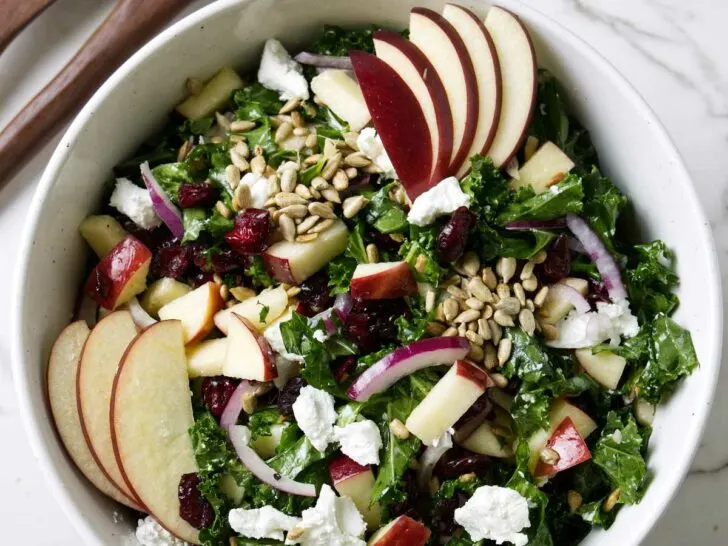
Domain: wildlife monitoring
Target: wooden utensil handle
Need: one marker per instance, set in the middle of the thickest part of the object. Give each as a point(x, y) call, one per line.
point(128, 26)
point(15, 15)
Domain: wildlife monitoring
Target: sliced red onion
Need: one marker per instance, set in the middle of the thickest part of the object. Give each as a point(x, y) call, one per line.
point(140, 317)
point(162, 204)
point(240, 437)
point(342, 305)
point(598, 253)
point(521, 225)
point(324, 61)
point(573, 296)
point(406, 360)
point(234, 406)
point(430, 457)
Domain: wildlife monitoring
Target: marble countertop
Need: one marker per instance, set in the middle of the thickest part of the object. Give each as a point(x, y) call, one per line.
point(672, 51)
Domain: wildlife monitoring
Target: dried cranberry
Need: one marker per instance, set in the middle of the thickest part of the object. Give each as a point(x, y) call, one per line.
point(385, 242)
point(171, 260)
point(461, 461)
point(216, 393)
point(597, 293)
point(454, 235)
point(288, 395)
point(200, 278)
point(201, 194)
point(251, 232)
point(371, 323)
point(193, 508)
point(411, 493)
point(315, 292)
point(481, 406)
point(558, 261)
point(217, 260)
point(304, 309)
point(356, 185)
point(343, 368)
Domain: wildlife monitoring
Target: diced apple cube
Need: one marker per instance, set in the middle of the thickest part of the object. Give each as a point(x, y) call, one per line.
point(605, 367)
point(195, 310)
point(545, 168)
point(161, 292)
point(213, 96)
point(448, 400)
point(293, 262)
point(102, 233)
point(399, 532)
point(356, 482)
point(261, 311)
point(568, 445)
point(485, 441)
point(385, 280)
point(248, 354)
point(341, 93)
point(207, 358)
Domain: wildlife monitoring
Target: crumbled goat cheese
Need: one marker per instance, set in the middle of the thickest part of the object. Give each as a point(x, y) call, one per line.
point(371, 146)
point(134, 202)
point(266, 522)
point(610, 321)
point(258, 189)
point(320, 336)
point(361, 441)
point(334, 521)
point(495, 513)
point(315, 414)
point(281, 73)
point(444, 198)
point(150, 533)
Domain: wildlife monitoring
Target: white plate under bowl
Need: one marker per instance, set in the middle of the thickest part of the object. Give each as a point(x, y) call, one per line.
point(633, 147)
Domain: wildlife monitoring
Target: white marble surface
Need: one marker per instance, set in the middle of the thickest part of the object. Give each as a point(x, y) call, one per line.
point(673, 51)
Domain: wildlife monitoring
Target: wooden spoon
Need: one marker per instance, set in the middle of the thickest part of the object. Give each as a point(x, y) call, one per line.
point(16, 15)
point(129, 25)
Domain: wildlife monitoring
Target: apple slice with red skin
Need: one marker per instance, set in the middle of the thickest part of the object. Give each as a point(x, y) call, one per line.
point(62, 374)
point(445, 49)
point(448, 400)
point(100, 360)
point(274, 299)
point(207, 358)
point(422, 79)
point(402, 531)
point(517, 60)
point(121, 274)
point(150, 416)
point(399, 120)
point(482, 54)
point(385, 280)
point(195, 310)
point(571, 447)
point(248, 355)
point(293, 262)
point(355, 481)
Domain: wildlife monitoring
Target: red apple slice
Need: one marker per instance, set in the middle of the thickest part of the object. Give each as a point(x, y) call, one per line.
point(62, 374)
point(355, 481)
point(195, 310)
point(100, 360)
point(560, 410)
point(261, 310)
point(448, 400)
point(517, 60)
point(482, 53)
point(399, 120)
point(445, 49)
point(293, 263)
point(571, 447)
point(385, 280)
point(207, 358)
point(121, 274)
point(424, 82)
point(248, 354)
point(151, 414)
point(400, 532)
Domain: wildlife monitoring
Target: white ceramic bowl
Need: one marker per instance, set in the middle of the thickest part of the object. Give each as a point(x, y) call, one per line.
point(633, 146)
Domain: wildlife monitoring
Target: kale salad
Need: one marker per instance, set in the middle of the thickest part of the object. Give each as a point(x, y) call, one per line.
point(376, 293)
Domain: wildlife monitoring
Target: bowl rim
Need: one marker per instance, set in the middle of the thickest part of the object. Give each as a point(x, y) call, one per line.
point(24, 389)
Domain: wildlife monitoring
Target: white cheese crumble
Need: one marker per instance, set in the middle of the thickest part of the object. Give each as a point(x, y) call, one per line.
point(315, 414)
point(134, 202)
point(258, 189)
point(371, 146)
point(610, 321)
point(444, 198)
point(360, 441)
point(334, 521)
point(495, 513)
point(266, 522)
point(320, 336)
point(281, 73)
point(150, 533)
